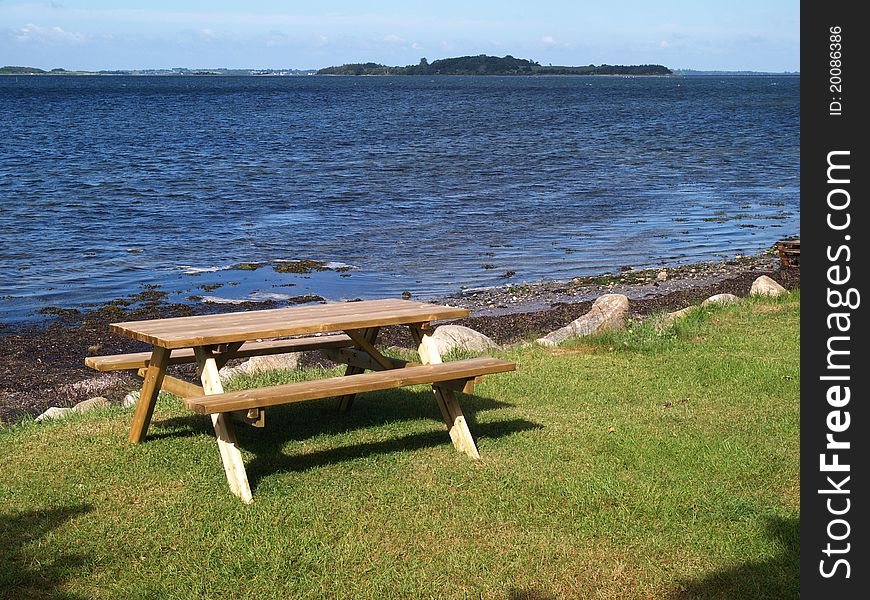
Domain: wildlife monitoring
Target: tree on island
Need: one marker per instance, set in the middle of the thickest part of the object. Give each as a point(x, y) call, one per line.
point(9, 70)
point(490, 65)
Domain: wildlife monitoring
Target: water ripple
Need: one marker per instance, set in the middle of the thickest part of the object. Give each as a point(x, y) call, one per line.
point(424, 184)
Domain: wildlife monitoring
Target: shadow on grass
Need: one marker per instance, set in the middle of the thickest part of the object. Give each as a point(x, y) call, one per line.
point(21, 574)
point(776, 578)
point(304, 420)
point(369, 411)
point(270, 461)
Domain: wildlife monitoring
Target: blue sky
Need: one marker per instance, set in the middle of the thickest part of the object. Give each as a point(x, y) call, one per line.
point(92, 34)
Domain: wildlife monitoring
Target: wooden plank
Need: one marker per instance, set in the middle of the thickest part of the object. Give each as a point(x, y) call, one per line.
point(176, 386)
point(226, 352)
point(370, 335)
point(229, 332)
point(429, 355)
point(254, 417)
point(184, 332)
point(148, 394)
point(458, 422)
point(208, 322)
point(138, 360)
point(234, 467)
point(360, 359)
point(464, 386)
point(235, 318)
point(351, 384)
point(426, 347)
point(451, 412)
point(365, 345)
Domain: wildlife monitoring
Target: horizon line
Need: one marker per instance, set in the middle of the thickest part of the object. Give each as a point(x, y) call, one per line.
point(285, 68)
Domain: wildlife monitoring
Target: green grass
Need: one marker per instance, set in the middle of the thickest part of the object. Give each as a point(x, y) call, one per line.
point(640, 464)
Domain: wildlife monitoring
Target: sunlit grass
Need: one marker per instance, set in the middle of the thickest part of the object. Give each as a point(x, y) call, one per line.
point(640, 464)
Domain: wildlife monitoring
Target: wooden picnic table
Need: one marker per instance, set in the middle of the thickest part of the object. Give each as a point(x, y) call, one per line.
point(212, 340)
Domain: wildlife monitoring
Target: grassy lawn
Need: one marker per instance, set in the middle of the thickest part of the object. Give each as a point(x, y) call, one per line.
point(635, 465)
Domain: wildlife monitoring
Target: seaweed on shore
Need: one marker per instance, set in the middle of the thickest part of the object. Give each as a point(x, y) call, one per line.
point(247, 266)
point(150, 294)
point(303, 266)
point(57, 311)
point(306, 299)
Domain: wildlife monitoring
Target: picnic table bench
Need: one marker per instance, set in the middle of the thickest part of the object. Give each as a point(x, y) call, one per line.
point(211, 341)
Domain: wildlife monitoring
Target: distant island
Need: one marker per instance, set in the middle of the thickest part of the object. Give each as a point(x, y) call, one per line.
point(174, 71)
point(26, 71)
point(491, 65)
point(695, 73)
point(462, 65)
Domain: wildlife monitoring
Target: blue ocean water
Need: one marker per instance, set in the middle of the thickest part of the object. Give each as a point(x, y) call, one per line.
point(424, 184)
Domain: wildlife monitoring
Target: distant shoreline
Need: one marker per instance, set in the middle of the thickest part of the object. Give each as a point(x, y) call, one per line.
point(281, 74)
point(278, 74)
point(284, 73)
point(461, 65)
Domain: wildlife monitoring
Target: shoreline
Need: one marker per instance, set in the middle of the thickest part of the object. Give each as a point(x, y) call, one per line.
point(636, 284)
point(43, 362)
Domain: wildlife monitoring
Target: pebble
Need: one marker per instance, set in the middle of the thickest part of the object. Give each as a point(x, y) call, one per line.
point(130, 399)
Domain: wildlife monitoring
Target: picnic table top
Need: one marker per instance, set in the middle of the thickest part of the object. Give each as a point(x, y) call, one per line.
point(187, 332)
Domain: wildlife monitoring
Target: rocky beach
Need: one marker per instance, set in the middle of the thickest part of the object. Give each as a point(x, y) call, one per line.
point(43, 363)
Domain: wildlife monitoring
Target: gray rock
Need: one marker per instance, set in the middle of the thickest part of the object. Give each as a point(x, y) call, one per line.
point(457, 337)
point(765, 286)
point(288, 360)
point(91, 404)
point(720, 299)
point(607, 312)
point(677, 314)
point(130, 399)
point(55, 412)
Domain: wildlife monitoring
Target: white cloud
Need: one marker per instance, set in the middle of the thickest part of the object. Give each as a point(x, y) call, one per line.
point(393, 39)
point(53, 35)
point(664, 44)
point(550, 42)
point(417, 46)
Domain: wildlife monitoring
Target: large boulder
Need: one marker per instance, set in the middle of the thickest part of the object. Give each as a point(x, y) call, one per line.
point(274, 362)
point(457, 337)
point(607, 312)
point(91, 404)
point(765, 286)
point(55, 412)
point(720, 299)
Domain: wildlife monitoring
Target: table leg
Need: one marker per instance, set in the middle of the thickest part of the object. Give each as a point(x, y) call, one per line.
point(148, 395)
point(231, 457)
point(345, 402)
point(444, 397)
